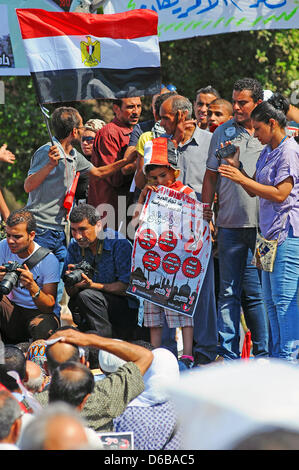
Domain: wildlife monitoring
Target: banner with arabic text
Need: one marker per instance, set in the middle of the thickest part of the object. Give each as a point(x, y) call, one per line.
point(171, 251)
point(180, 19)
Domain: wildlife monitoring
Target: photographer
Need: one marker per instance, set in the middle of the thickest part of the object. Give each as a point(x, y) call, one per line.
point(98, 299)
point(27, 295)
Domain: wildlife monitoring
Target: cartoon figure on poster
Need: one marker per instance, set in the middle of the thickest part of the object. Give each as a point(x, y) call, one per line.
point(171, 250)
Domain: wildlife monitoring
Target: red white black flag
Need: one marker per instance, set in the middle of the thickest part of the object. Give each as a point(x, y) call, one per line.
point(81, 56)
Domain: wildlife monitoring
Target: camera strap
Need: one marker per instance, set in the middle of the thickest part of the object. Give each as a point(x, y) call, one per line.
point(36, 257)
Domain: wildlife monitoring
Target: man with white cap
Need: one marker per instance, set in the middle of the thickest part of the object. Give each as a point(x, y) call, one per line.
point(112, 394)
point(151, 416)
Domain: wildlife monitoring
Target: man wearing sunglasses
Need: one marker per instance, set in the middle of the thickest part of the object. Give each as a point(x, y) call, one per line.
point(91, 127)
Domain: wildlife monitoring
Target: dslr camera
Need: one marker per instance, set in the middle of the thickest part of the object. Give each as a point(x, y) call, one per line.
point(225, 152)
point(11, 277)
point(75, 275)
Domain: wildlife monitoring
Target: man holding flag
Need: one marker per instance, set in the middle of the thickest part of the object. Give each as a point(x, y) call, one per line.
point(75, 57)
point(51, 175)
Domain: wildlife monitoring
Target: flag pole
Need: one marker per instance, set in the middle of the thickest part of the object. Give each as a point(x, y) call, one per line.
point(46, 116)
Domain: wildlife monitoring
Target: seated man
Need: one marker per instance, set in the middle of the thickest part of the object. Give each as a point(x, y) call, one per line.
point(111, 395)
point(98, 299)
point(26, 309)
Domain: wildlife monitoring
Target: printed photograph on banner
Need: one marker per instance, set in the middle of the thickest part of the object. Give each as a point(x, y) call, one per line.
point(65, 5)
point(6, 52)
point(18, 64)
point(171, 251)
point(117, 440)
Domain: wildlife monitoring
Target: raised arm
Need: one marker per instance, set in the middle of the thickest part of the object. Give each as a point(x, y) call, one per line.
point(142, 357)
point(108, 170)
point(277, 193)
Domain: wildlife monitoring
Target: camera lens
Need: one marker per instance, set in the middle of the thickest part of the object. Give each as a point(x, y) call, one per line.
point(8, 282)
point(73, 277)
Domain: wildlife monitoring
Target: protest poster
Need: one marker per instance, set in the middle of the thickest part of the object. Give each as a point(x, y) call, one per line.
point(180, 19)
point(171, 251)
point(117, 440)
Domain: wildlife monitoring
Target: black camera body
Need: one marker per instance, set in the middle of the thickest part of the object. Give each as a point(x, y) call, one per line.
point(225, 152)
point(11, 277)
point(75, 275)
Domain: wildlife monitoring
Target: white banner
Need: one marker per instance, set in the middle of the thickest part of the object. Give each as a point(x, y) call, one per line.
point(188, 18)
point(171, 251)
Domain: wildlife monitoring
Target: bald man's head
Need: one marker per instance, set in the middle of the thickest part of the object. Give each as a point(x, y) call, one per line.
point(57, 427)
point(59, 353)
point(64, 433)
point(34, 380)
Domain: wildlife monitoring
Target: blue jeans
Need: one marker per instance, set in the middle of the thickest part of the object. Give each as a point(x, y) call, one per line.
point(205, 319)
point(55, 240)
point(236, 248)
point(281, 296)
point(205, 334)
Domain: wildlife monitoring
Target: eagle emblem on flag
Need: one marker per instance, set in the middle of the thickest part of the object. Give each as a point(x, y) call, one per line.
point(90, 52)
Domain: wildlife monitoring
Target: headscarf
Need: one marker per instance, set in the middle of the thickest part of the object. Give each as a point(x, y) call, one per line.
point(37, 353)
point(162, 370)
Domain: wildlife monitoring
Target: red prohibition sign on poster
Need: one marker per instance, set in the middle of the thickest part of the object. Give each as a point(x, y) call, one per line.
point(147, 239)
point(191, 267)
point(151, 260)
point(171, 263)
point(167, 241)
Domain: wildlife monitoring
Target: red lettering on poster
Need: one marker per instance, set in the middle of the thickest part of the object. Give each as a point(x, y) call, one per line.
point(167, 241)
point(147, 239)
point(171, 263)
point(151, 260)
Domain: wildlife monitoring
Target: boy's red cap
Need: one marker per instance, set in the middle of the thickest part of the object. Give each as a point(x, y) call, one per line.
point(160, 151)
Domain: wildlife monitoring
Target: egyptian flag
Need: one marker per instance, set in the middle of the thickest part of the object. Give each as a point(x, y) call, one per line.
point(82, 56)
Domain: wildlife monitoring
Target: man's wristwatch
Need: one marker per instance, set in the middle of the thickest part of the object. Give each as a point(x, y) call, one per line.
point(36, 294)
point(240, 165)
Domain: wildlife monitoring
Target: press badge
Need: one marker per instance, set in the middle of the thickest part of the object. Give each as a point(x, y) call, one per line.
point(230, 131)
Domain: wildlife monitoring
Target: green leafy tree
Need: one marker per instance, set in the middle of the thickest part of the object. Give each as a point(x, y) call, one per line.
point(271, 56)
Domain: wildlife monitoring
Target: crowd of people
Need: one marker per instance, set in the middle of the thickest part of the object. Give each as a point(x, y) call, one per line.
point(61, 385)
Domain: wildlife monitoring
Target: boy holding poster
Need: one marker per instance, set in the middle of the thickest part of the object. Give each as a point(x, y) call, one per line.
point(161, 168)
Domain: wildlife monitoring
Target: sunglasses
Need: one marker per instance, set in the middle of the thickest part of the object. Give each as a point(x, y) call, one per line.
point(87, 139)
